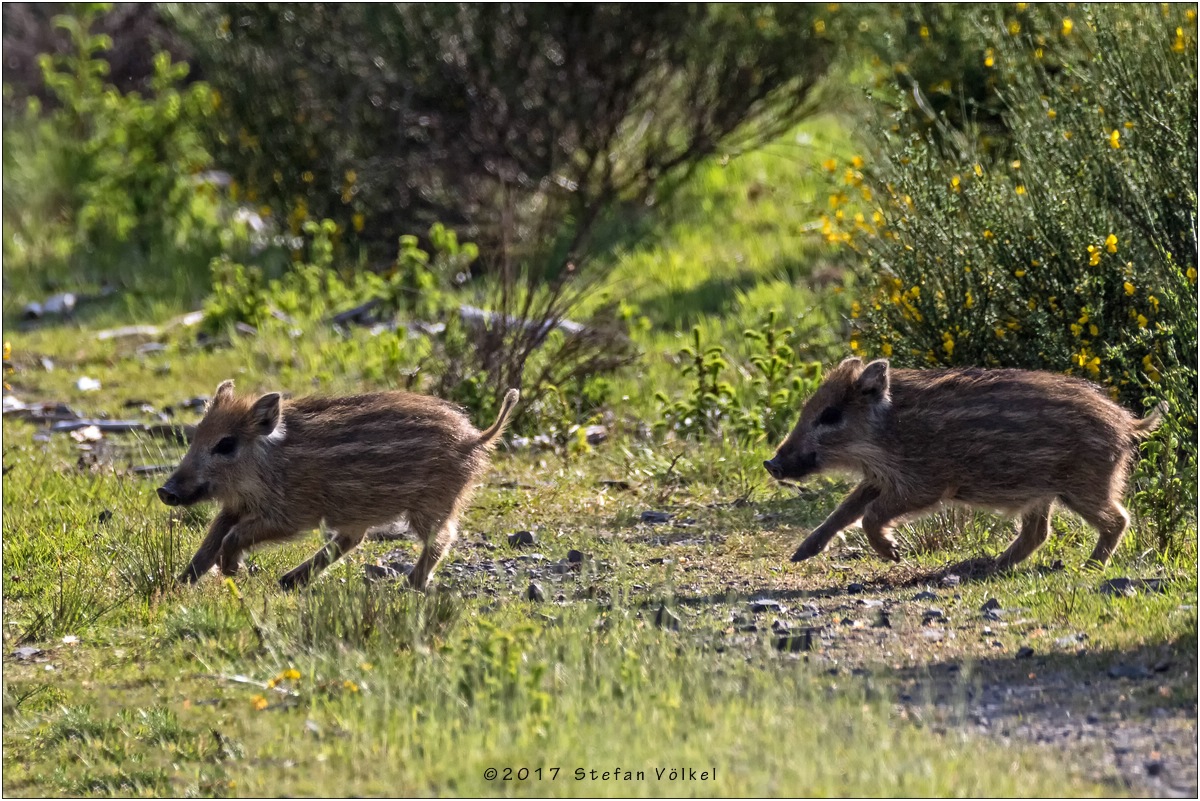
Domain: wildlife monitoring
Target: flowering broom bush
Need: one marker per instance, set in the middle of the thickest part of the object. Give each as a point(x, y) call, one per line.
point(1075, 251)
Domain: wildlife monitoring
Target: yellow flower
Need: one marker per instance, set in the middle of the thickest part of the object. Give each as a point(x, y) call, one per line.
point(1019, 273)
point(989, 59)
point(1128, 125)
point(854, 346)
point(1153, 302)
point(857, 162)
point(955, 182)
point(1111, 243)
point(278, 176)
point(367, 666)
point(307, 176)
point(1051, 113)
point(829, 164)
point(1093, 255)
point(351, 176)
point(1191, 274)
point(259, 703)
point(1014, 28)
point(988, 234)
point(1067, 26)
point(1093, 330)
point(1067, 134)
point(978, 170)
point(970, 300)
point(1020, 189)
point(1142, 321)
point(1114, 139)
point(1015, 164)
point(819, 26)
point(1178, 46)
point(291, 674)
point(1129, 288)
point(855, 309)
point(948, 343)
point(924, 31)
point(886, 349)
point(358, 220)
point(1035, 263)
point(349, 685)
point(7, 351)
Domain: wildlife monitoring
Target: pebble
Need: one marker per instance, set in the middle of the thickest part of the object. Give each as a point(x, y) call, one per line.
point(1128, 672)
point(535, 592)
point(521, 538)
point(575, 557)
point(855, 588)
point(925, 596)
point(1024, 652)
point(933, 614)
point(990, 605)
point(655, 518)
point(766, 605)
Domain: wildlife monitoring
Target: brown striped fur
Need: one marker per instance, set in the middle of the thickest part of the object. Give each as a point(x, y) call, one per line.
point(352, 462)
point(1015, 441)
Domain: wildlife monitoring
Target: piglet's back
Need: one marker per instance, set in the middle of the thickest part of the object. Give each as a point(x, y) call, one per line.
point(375, 453)
point(1013, 429)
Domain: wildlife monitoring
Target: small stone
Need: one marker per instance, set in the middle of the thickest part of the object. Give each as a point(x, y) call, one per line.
point(1070, 640)
point(951, 580)
point(535, 592)
point(766, 605)
point(1162, 666)
point(1128, 672)
point(575, 557)
point(521, 538)
point(666, 619)
point(1024, 652)
point(855, 588)
point(933, 614)
point(1154, 767)
point(779, 627)
point(869, 603)
point(27, 652)
point(925, 596)
point(86, 384)
point(656, 518)
point(990, 605)
point(933, 635)
point(1092, 718)
point(795, 642)
point(104, 516)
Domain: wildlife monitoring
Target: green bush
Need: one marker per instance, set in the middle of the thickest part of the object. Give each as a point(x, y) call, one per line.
point(764, 408)
point(107, 182)
point(1076, 252)
point(387, 118)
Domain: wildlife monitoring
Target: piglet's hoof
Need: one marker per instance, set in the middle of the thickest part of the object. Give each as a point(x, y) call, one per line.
point(808, 549)
point(886, 548)
point(294, 579)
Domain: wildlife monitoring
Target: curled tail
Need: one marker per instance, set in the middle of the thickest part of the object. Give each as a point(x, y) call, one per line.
point(497, 428)
point(1146, 425)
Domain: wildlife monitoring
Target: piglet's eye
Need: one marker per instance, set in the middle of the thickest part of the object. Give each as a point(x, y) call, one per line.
point(830, 417)
point(225, 446)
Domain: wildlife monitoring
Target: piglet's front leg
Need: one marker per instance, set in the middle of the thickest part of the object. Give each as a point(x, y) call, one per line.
point(850, 510)
point(206, 555)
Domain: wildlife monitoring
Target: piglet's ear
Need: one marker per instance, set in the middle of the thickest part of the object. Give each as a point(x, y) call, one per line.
point(852, 363)
point(266, 415)
point(875, 380)
point(224, 394)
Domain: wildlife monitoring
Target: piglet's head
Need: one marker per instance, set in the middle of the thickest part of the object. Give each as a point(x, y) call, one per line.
point(838, 419)
point(226, 448)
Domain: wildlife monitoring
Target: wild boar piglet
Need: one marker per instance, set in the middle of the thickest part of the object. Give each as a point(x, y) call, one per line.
point(281, 467)
point(1014, 441)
